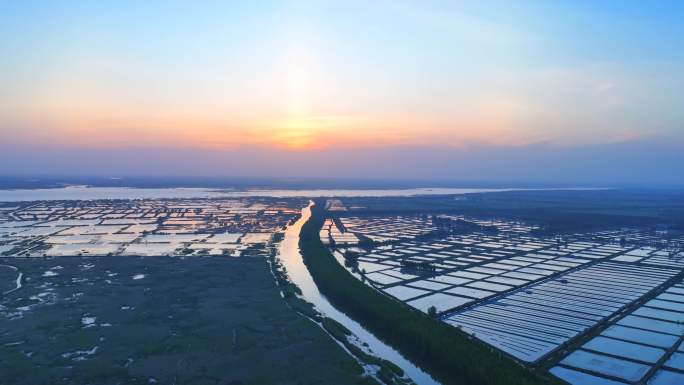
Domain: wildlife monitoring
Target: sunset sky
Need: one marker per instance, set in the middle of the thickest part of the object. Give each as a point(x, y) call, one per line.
point(414, 89)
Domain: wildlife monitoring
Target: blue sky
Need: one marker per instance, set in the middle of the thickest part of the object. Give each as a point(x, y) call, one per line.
point(316, 79)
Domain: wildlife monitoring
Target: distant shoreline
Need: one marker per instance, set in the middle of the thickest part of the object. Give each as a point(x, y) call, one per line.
point(245, 183)
point(123, 193)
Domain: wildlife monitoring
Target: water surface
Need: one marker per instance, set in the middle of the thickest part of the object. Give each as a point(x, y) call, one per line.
point(291, 258)
point(97, 193)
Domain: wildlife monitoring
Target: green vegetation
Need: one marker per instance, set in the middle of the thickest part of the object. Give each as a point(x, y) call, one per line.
point(389, 373)
point(192, 321)
point(388, 370)
point(449, 354)
point(339, 331)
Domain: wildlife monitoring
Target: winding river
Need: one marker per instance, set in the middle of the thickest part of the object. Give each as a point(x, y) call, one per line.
point(291, 258)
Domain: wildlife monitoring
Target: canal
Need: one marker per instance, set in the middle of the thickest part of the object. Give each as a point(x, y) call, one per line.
point(291, 258)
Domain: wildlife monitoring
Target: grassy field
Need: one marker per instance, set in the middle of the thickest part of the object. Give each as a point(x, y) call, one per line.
point(450, 355)
point(159, 320)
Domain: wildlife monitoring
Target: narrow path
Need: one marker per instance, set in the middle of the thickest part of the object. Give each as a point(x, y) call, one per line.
point(18, 280)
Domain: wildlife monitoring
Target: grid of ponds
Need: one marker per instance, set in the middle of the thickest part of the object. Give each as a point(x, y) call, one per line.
point(181, 227)
point(466, 269)
point(652, 256)
point(531, 323)
point(383, 229)
point(643, 346)
point(531, 297)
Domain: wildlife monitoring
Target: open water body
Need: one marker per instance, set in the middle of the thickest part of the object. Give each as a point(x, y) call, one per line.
point(97, 193)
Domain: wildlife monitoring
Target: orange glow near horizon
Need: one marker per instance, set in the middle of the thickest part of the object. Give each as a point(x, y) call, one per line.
point(311, 76)
point(292, 133)
point(290, 124)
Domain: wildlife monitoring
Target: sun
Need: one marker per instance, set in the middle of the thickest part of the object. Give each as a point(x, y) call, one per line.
point(296, 134)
